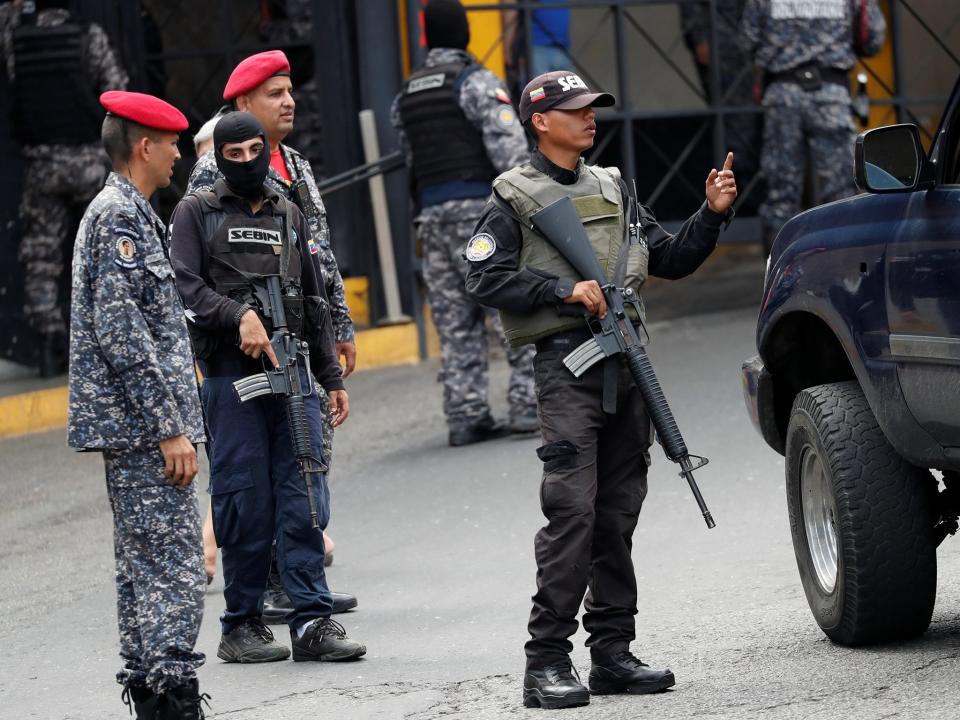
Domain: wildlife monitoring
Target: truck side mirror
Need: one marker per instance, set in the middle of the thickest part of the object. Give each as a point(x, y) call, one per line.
point(891, 159)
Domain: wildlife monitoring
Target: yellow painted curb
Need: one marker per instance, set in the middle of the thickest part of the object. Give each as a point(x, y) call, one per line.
point(42, 410)
point(33, 411)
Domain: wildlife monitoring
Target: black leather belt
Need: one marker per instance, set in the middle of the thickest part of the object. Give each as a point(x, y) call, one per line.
point(809, 76)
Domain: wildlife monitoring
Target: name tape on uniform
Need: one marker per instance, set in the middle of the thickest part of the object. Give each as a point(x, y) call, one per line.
point(254, 235)
point(428, 82)
point(808, 9)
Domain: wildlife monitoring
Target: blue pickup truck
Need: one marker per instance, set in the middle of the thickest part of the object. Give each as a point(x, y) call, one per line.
point(857, 383)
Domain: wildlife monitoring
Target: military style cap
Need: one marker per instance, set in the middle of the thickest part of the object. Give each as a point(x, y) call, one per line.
point(559, 90)
point(147, 110)
point(254, 70)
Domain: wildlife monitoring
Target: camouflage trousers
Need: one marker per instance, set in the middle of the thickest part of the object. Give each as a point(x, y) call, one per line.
point(158, 549)
point(443, 231)
point(57, 182)
point(801, 126)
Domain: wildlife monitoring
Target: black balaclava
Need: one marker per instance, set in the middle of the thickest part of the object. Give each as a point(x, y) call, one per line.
point(445, 24)
point(244, 178)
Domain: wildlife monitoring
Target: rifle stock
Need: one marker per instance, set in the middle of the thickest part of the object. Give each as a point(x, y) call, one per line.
point(615, 334)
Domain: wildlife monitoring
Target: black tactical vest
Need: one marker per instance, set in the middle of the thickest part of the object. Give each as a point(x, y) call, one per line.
point(445, 146)
point(55, 100)
point(243, 249)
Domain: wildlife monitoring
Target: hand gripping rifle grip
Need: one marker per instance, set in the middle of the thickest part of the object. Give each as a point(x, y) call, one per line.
point(673, 445)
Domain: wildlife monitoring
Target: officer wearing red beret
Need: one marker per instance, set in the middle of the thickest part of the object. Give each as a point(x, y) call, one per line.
point(133, 397)
point(261, 85)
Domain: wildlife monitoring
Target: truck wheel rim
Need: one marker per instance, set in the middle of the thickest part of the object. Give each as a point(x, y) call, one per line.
point(819, 518)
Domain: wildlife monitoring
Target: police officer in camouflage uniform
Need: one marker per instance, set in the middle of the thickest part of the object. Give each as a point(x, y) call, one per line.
point(133, 397)
point(595, 428)
point(458, 130)
point(802, 51)
point(57, 67)
point(261, 85)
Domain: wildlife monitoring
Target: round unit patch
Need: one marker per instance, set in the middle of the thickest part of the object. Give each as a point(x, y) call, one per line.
point(480, 247)
point(506, 117)
point(125, 253)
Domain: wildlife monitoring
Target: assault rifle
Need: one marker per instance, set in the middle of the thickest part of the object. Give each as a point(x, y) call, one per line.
point(615, 334)
point(284, 381)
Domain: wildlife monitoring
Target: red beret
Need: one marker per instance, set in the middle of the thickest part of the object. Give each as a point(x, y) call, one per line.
point(254, 71)
point(147, 110)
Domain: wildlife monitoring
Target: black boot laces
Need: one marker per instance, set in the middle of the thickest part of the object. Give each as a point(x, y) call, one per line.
point(260, 630)
point(327, 626)
point(628, 658)
point(563, 671)
point(194, 704)
point(126, 699)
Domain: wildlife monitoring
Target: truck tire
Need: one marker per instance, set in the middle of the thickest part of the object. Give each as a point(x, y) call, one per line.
point(861, 518)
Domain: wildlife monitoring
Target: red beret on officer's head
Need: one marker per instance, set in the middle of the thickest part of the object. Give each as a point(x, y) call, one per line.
point(253, 71)
point(147, 110)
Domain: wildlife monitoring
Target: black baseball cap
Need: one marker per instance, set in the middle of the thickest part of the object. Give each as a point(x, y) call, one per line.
point(559, 90)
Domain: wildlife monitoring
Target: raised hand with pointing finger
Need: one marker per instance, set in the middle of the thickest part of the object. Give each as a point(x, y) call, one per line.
point(722, 187)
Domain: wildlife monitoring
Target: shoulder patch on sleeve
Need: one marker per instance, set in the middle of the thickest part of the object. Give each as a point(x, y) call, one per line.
point(506, 117)
point(126, 253)
point(480, 247)
point(499, 94)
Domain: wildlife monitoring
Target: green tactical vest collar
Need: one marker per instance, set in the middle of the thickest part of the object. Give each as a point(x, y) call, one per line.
point(597, 199)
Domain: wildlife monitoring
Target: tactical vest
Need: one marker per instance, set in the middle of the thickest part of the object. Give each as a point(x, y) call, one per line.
point(55, 100)
point(445, 145)
point(242, 249)
point(597, 199)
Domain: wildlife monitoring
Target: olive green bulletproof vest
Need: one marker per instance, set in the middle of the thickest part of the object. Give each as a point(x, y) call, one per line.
point(596, 197)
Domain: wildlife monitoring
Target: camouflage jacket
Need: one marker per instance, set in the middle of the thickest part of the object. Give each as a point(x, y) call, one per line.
point(205, 174)
point(486, 104)
point(132, 381)
point(780, 35)
point(104, 67)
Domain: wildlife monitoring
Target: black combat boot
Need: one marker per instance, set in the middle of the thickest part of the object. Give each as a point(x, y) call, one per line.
point(276, 604)
point(183, 702)
point(251, 642)
point(485, 429)
point(140, 700)
point(553, 687)
point(623, 673)
point(325, 640)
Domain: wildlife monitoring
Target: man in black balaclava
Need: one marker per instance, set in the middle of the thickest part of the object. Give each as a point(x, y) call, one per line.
point(459, 131)
point(222, 242)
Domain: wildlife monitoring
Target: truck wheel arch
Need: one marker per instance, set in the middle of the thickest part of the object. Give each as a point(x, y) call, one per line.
point(801, 351)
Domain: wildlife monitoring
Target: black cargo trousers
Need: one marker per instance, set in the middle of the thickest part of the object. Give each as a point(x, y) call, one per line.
point(594, 484)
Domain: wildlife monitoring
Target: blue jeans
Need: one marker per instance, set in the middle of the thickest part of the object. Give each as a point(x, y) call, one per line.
point(257, 489)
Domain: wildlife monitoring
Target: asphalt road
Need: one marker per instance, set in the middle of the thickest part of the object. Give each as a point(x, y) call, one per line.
point(437, 544)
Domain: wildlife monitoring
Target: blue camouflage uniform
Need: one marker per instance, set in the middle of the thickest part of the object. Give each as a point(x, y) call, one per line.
point(443, 230)
point(132, 384)
point(57, 178)
point(205, 174)
point(785, 39)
